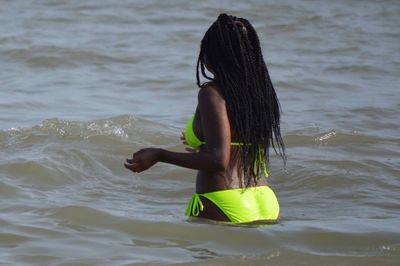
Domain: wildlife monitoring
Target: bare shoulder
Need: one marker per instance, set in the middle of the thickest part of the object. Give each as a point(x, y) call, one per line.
point(210, 92)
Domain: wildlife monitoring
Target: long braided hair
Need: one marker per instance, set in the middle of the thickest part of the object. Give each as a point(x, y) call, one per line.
point(231, 49)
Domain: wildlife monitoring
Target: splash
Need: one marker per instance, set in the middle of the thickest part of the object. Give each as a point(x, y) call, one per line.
point(326, 136)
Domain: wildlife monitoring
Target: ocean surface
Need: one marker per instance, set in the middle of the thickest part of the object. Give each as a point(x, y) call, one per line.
point(84, 84)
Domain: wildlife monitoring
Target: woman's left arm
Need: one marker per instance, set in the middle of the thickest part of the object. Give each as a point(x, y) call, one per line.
point(216, 130)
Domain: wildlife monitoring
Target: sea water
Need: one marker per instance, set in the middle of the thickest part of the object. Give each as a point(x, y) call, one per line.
point(84, 84)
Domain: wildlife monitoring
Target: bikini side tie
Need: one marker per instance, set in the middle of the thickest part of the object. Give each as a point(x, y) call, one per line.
point(195, 206)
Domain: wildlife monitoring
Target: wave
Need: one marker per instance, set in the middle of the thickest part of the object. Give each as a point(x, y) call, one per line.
point(121, 128)
point(334, 137)
point(131, 129)
point(58, 153)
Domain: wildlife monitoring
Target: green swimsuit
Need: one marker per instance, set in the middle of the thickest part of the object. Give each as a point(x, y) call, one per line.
point(242, 205)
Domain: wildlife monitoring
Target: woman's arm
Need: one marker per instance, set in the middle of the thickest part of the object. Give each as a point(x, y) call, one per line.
point(215, 154)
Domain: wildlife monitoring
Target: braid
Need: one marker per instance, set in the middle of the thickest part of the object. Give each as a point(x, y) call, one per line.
point(232, 49)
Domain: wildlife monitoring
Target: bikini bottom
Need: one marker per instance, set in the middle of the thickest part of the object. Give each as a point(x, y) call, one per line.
point(242, 205)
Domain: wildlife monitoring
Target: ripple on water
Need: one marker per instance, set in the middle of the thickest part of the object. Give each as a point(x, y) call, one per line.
point(9, 240)
point(60, 57)
point(71, 69)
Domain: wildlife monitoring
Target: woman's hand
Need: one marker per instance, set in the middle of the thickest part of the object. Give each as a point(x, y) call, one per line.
point(143, 160)
point(184, 142)
point(183, 138)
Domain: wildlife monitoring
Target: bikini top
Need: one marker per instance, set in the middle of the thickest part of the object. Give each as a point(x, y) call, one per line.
point(194, 142)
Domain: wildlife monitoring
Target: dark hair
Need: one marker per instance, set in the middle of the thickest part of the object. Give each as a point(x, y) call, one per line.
point(233, 52)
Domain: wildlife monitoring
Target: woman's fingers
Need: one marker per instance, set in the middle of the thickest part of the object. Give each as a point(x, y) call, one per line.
point(190, 150)
point(142, 160)
point(131, 162)
point(134, 159)
point(183, 138)
point(133, 167)
point(129, 166)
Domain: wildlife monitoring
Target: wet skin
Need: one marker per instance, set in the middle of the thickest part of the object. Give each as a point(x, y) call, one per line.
point(216, 160)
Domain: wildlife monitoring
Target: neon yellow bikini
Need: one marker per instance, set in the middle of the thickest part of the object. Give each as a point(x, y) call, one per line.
point(242, 205)
point(194, 142)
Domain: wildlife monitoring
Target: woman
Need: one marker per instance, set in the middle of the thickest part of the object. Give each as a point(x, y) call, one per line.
point(235, 123)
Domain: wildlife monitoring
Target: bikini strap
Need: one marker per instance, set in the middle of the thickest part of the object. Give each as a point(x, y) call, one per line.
point(195, 206)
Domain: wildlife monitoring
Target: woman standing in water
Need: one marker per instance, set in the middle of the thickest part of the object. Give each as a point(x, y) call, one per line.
point(236, 121)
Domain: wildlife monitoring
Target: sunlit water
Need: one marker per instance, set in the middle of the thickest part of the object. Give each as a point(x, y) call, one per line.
point(86, 83)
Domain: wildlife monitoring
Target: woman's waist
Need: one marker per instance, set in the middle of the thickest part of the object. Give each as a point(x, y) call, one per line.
point(209, 182)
